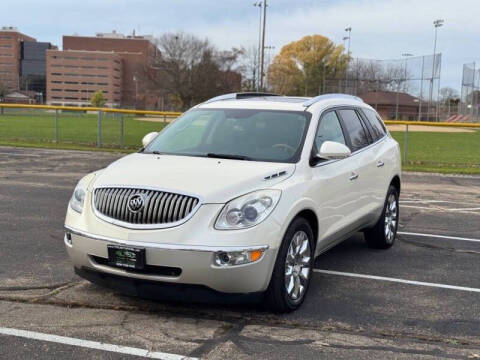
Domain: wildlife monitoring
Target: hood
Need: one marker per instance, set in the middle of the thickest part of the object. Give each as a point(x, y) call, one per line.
point(215, 180)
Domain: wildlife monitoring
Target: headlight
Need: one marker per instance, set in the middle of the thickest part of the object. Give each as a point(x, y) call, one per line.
point(78, 197)
point(247, 210)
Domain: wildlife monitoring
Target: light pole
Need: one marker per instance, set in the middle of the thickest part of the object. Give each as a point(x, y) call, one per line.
point(345, 38)
point(270, 48)
point(257, 65)
point(263, 43)
point(437, 23)
point(349, 31)
point(136, 89)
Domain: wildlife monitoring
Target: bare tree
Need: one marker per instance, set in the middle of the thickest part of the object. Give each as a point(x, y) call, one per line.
point(448, 94)
point(248, 67)
point(191, 70)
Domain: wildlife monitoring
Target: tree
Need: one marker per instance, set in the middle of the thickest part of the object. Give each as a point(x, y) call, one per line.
point(448, 94)
point(97, 99)
point(191, 70)
point(248, 67)
point(302, 66)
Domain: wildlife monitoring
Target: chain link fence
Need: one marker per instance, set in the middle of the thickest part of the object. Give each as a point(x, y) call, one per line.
point(470, 94)
point(402, 89)
point(108, 128)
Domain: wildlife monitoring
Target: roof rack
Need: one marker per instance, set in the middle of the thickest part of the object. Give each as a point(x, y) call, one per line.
point(236, 96)
point(330, 96)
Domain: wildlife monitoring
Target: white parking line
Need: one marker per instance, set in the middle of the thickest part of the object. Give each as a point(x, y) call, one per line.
point(438, 236)
point(91, 344)
point(402, 281)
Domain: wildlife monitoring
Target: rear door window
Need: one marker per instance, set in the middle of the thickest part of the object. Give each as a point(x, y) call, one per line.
point(355, 130)
point(377, 128)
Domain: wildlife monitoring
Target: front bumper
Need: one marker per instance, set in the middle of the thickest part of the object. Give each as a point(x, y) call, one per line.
point(174, 263)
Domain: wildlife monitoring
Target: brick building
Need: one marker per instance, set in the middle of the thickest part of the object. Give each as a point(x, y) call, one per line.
point(122, 78)
point(11, 41)
point(385, 102)
point(74, 75)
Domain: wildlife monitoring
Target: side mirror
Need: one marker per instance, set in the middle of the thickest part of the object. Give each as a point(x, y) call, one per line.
point(331, 150)
point(148, 138)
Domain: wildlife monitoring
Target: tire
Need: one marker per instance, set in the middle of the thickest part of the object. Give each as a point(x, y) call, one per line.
point(382, 235)
point(286, 292)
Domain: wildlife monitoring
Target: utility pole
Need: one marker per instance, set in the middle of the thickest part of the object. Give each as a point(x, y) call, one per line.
point(437, 23)
point(349, 30)
point(257, 65)
point(263, 44)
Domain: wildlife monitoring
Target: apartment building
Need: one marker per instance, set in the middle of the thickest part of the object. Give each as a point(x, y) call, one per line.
point(74, 75)
point(122, 75)
point(11, 41)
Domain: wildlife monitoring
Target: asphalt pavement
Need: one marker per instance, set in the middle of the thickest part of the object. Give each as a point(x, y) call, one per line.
point(419, 299)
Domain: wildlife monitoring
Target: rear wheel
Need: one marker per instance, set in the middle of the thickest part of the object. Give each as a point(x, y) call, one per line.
point(293, 268)
point(382, 235)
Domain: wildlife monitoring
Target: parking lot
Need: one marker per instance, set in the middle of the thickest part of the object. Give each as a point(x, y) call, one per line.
point(419, 299)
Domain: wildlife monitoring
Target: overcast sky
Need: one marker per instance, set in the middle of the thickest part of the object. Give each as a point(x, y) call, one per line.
point(381, 29)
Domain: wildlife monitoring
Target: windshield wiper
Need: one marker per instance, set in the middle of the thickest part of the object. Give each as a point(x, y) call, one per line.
point(228, 156)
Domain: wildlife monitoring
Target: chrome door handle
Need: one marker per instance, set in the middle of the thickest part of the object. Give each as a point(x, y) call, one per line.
point(353, 176)
point(380, 163)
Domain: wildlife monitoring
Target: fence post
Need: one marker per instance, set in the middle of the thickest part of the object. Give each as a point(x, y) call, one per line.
point(405, 145)
point(99, 129)
point(122, 133)
point(56, 126)
point(164, 120)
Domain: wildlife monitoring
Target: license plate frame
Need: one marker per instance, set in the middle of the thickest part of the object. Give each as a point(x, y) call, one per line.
point(126, 257)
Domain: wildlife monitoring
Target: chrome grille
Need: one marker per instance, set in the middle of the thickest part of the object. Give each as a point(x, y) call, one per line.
point(160, 208)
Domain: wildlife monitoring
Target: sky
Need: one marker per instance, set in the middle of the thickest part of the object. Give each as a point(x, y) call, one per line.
point(381, 29)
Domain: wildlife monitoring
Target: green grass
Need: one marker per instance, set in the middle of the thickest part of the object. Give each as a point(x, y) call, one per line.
point(73, 129)
point(427, 151)
point(441, 152)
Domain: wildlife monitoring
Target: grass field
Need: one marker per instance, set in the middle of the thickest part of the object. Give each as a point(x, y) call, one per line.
point(427, 151)
point(73, 129)
point(442, 152)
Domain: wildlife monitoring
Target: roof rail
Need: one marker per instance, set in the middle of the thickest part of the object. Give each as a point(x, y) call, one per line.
point(330, 96)
point(234, 96)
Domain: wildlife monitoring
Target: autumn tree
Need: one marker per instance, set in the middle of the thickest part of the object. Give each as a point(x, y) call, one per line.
point(301, 66)
point(98, 99)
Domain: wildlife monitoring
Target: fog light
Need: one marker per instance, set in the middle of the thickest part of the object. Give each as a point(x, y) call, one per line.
point(232, 258)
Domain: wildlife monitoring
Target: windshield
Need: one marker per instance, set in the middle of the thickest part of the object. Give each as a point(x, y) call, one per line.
point(244, 134)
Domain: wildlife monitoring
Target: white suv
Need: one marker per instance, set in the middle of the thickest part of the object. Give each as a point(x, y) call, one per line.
point(238, 195)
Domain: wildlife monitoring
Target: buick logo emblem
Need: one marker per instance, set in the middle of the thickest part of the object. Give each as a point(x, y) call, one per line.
point(136, 202)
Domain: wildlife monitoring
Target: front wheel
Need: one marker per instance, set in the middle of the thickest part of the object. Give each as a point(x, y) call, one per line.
point(382, 235)
point(293, 268)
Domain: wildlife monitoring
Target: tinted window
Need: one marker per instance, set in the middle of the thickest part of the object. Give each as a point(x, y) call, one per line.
point(261, 135)
point(378, 129)
point(329, 130)
point(355, 130)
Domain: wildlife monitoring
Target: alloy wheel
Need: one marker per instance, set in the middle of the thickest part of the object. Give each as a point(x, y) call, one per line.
point(297, 266)
point(391, 216)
